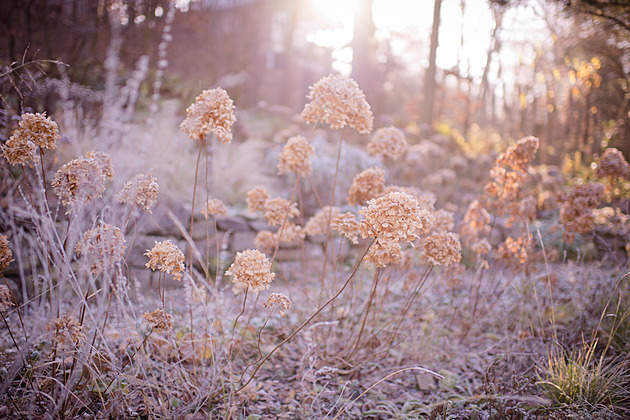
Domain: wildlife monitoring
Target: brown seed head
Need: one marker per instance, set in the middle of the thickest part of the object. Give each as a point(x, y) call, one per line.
point(159, 321)
point(251, 270)
point(256, 198)
point(393, 217)
point(276, 209)
point(67, 332)
point(6, 298)
point(612, 164)
point(265, 241)
point(214, 207)
point(42, 131)
point(19, 150)
point(346, 224)
point(212, 112)
point(280, 301)
point(318, 224)
point(6, 255)
point(338, 102)
point(82, 179)
point(384, 253)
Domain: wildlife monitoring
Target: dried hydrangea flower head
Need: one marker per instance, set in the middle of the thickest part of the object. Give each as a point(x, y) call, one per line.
point(384, 253)
point(102, 247)
point(265, 241)
point(612, 164)
point(212, 112)
point(366, 185)
point(338, 101)
point(443, 248)
point(481, 247)
point(19, 150)
point(346, 224)
point(214, 207)
point(296, 156)
point(388, 142)
point(36, 128)
point(6, 300)
point(67, 331)
point(513, 252)
point(83, 178)
point(142, 191)
point(280, 301)
point(159, 321)
point(476, 222)
point(523, 210)
point(276, 209)
point(519, 156)
point(426, 199)
point(442, 221)
point(166, 257)
point(290, 233)
point(393, 217)
point(318, 224)
point(576, 213)
point(6, 255)
point(256, 198)
point(251, 270)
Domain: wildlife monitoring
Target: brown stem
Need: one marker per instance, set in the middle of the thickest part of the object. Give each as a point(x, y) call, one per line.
point(192, 211)
point(377, 276)
point(293, 334)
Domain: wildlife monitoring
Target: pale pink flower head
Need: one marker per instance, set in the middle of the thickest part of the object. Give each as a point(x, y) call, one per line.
point(212, 112)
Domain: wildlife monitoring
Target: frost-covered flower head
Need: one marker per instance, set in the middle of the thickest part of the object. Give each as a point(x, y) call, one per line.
point(318, 224)
point(142, 191)
point(443, 248)
point(159, 321)
point(296, 156)
point(366, 185)
point(67, 331)
point(212, 112)
point(256, 198)
point(6, 300)
point(214, 207)
point(83, 178)
point(251, 270)
point(387, 142)
point(393, 217)
point(520, 155)
point(612, 164)
point(5, 253)
point(280, 301)
point(384, 253)
point(166, 257)
point(277, 208)
point(338, 101)
point(102, 246)
point(346, 224)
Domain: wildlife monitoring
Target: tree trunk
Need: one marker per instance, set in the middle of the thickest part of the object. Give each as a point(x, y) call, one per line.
point(429, 83)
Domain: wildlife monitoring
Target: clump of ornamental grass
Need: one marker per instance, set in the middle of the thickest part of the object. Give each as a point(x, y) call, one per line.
point(581, 378)
point(296, 156)
point(141, 192)
point(387, 143)
point(250, 271)
point(102, 247)
point(82, 179)
point(338, 101)
point(212, 112)
point(366, 185)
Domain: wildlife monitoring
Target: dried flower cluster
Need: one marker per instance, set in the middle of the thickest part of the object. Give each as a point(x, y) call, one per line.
point(612, 164)
point(214, 207)
point(34, 130)
point(142, 191)
point(508, 175)
point(442, 221)
point(265, 240)
point(513, 251)
point(346, 224)
point(6, 255)
point(6, 300)
point(523, 210)
point(251, 270)
point(426, 199)
point(102, 247)
point(256, 198)
point(67, 332)
point(280, 301)
point(338, 101)
point(476, 223)
point(384, 253)
point(291, 232)
point(159, 321)
point(296, 156)
point(443, 248)
point(276, 209)
point(212, 112)
point(367, 185)
point(83, 178)
point(318, 224)
point(388, 142)
point(576, 214)
point(393, 217)
point(166, 257)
